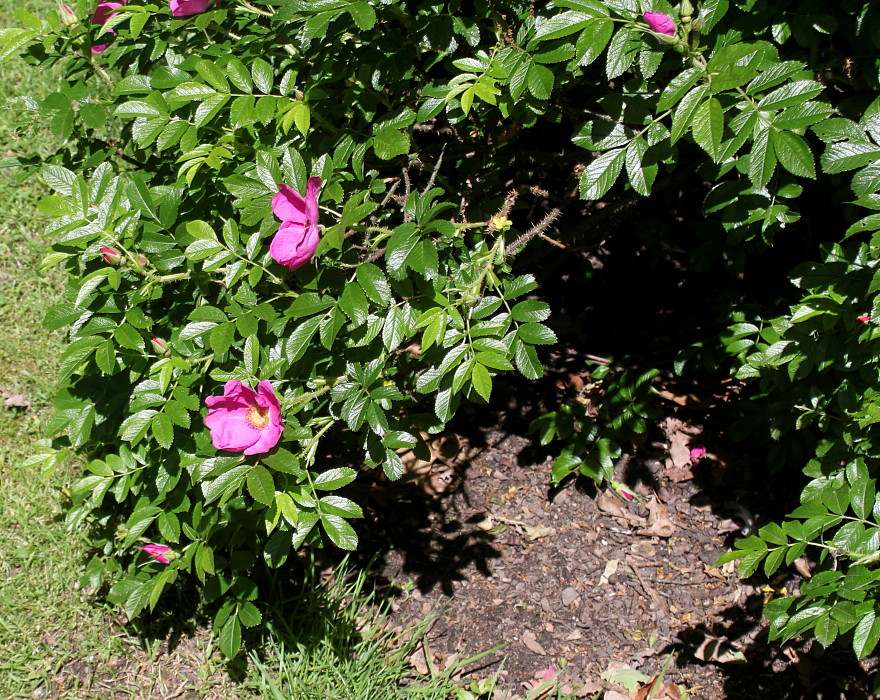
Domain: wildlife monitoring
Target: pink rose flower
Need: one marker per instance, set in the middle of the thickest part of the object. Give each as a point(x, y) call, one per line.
point(244, 420)
point(297, 237)
point(67, 16)
point(186, 8)
point(660, 23)
point(103, 12)
point(157, 551)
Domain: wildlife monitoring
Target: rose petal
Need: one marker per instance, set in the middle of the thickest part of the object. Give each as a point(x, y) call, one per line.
point(289, 205)
point(660, 23)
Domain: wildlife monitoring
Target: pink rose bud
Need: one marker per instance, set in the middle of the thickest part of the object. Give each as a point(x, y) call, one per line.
point(65, 14)
point(697, 453)
point(142, 259)
point(660, 23)
point(157, 551)
point(863, 319)
point(111, 255)
point(160, 346)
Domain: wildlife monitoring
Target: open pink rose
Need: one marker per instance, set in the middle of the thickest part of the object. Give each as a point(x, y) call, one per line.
point(244, 420)
point(186, 8)
point(297, 237)
point(660, 23)
point(157, 551)
point(103, 12)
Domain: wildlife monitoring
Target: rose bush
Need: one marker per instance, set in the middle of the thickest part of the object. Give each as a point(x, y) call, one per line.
point(373, 305)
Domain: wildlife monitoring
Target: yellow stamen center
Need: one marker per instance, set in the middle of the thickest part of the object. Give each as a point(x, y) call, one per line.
point(258, 417)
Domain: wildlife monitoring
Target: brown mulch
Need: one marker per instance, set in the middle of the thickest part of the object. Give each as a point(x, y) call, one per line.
point(590, 586)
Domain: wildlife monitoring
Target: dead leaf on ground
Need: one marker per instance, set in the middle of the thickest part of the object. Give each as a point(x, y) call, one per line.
point(658, 691)
point(803, 567)
point(531, 642)
point(610, 570)
point(717, 649)
point(534, 533)
point(608, 504)
point(17, 401)
point(679, 449)
point(659, 522)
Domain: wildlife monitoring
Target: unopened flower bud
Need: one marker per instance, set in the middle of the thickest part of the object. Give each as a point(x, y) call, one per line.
point(685, 9)
point(863, 319)
point(111, 255)
point(501, 223)
point(66, 15)
point(160, 346)
point(142, 259)
point(659, 23)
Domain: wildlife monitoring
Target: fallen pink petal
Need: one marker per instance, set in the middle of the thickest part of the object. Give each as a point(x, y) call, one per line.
point(697, 453)
point(103, 12)
point(244, 420)
point(157, 551)
point(660, 23)
point(298, 236)
point(187, 8)
point(549, 673)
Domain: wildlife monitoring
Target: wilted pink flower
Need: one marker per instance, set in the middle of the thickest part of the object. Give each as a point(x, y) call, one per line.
point(157, 551)
point(244, 420)
point(103, 12)
point(697, 453)
point(863, 319)
point(297, 237)
point(660, 23)
point(186, 8)
point(111, 255)
point(548, 674)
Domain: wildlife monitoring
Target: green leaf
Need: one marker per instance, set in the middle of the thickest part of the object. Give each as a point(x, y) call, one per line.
point(248, 614)
point(848, 155)
point(136, 108)
point(762, 160)
point(790, 94)
point(482, 381)
point(677, 87)
point(683, 115)
point(339, 531)
point(354, 304)
point(373, 282)
point(562, 25)
point(261, 486)
point(711, 13)
point(592, 43)
point(540, 81)
point(389, 143)
point(708, 125)
point(333, 479)
point(794, 154)
point(526, 360)
point(600, 175)
point(536, 334)
point(622, 51)
point(221, 337)
point(363, 14)
point(263, 75)
point(296, 345)
point(866, 635)
point(135, 427)
point(163, 429)
point(230, 637)
point(238, 74)
point(400, 245)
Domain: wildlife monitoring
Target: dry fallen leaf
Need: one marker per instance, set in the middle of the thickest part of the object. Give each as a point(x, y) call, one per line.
point(657, 690)
point(679, 449)
point(717, 649)
point(610, 570)
point(608, 504)
point(531, 642)
point(803, 567)
point(659, 522)
point(534, 533)
point(17, 401)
